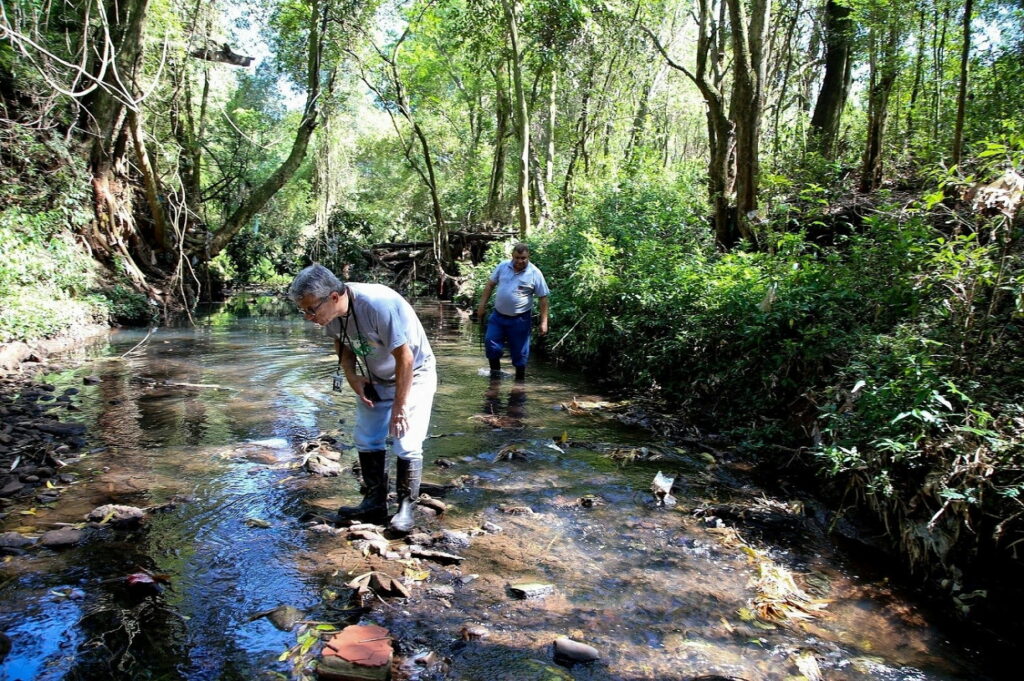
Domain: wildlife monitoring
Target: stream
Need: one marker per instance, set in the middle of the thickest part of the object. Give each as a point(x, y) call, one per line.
point(208, 423)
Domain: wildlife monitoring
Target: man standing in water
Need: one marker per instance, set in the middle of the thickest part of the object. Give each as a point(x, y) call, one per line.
point(376, 331)
point(517, 281)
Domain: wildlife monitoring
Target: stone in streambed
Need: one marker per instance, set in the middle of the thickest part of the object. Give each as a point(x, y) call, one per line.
point(531, 590)
point(11, 488)
point(116, 515)
point(13, 540)
point(322, 466)
point(62, 538)
point(284, 617)
point(570, 652)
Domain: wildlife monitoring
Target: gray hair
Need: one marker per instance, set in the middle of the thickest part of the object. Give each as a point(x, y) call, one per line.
point(315, 280)
point(521, 247)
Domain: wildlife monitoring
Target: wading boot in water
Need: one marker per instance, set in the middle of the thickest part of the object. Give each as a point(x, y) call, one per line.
point(495, 368)
point(374, 507)
point(520, 374)
point(409, 475)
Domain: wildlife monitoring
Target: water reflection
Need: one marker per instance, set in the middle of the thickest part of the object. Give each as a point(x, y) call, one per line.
point(501, 411)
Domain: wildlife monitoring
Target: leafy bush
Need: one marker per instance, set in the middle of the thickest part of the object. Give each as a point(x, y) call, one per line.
point(44, 276)
point(127, 306)
point(742, 334)
point(924, 422)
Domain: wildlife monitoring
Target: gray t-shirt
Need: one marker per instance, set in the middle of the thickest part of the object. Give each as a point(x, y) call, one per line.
point(514, 291)
point(385, 320)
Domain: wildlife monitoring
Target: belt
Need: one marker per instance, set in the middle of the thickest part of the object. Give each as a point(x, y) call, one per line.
point(511, 316)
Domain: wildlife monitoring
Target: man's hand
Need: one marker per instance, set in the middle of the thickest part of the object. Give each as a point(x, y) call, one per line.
point(359, 384)
point(543, 327)
point(399, 424)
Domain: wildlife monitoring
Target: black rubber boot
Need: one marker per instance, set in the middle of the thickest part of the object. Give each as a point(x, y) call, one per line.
point(409, 475)
point(495, 368)
point(520, 373)
point(374, 507)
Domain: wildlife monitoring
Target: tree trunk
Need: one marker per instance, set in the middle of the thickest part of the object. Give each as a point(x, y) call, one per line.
point(579, 146)
point(115, 229)
point(522, 123)
point(915, 89)
point(883, 76)
point(938, 66)
point(721, 132)
point(259, 198)
point(748, 39)
point(150, 180)
point(961, 102)
point(787, 71)
point(543, 176)
point(834, 87)
point(495, 192)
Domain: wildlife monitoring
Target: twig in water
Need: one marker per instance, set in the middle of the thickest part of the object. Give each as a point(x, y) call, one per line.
point(139, 343)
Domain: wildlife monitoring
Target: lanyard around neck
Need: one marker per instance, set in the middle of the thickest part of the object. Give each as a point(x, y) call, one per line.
point(364, 368)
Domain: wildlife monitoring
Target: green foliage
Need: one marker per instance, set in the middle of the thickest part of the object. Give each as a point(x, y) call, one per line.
point(126, 306)
point(34, 248)
point(44, 276)
point(924, 419)
point(649, 299)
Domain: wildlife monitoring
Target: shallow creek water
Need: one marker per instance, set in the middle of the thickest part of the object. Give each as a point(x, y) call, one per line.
point(216, 415)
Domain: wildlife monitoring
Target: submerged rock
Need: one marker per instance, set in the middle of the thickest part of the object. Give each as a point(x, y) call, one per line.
point(474, 632)
point(284, 617)
point(116, 515)
point(568, 651)
point(531, 590)
point(323, 466)
point(11, 488)
point(62, 538)
point(13, 540)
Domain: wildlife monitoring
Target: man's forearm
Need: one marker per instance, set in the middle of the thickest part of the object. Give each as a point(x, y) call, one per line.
point(485, 296)
point(348, 363)
point(403, 376)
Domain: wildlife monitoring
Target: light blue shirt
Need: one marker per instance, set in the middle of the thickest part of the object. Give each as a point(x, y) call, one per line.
point(385, 321)
point(514, 291)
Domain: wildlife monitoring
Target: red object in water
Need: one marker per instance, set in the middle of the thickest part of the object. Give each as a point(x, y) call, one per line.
point(141, 579)
point(357, 652)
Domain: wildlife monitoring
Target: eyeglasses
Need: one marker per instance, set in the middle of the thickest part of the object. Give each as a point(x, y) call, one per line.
point(311, 311)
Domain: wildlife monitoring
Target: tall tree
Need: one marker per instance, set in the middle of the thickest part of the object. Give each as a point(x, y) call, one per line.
point(884, 38)
point(116, 232)
point(835, 85)
point(749, 23)
point(522, 119)
point(319, 79)
point(961, 99)
point(709, 76)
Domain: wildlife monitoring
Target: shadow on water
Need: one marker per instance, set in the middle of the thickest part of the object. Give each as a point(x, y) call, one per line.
point(208, 422)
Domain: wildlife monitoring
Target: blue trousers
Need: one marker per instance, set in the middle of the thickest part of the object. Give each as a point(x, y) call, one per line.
point(512, 330)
